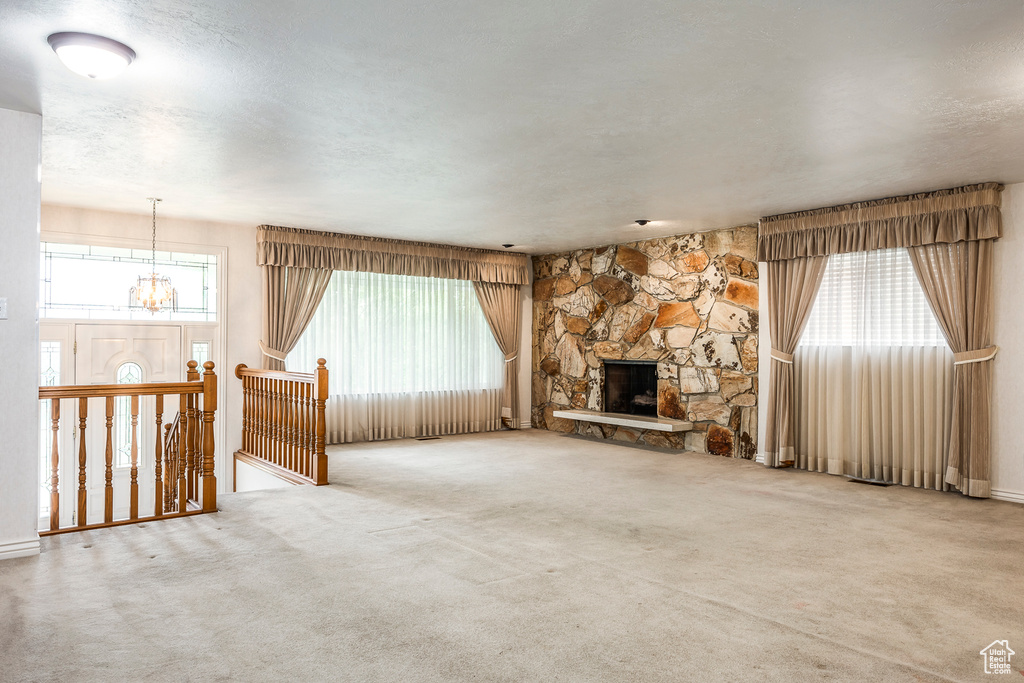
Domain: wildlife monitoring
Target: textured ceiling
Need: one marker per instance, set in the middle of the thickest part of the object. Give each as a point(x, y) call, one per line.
point(545, 124)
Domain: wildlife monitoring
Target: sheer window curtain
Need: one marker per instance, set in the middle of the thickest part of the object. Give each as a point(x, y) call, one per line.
point(409, 356)
point(874, 375)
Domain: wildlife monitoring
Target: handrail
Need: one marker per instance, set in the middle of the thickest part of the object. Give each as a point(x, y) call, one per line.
point(114, 390)
point(183, 464)
point(283, 422)
point(243, 370)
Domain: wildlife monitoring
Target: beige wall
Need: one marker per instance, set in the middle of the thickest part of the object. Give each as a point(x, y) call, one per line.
point(1008, 399)
point(241, 314)
point(19, 333)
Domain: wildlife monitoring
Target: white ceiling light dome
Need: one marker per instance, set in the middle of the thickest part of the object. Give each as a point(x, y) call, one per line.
point(90, 55)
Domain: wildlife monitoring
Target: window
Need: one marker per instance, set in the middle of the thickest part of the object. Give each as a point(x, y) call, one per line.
point(200, 353)
point(873, 375)
point(871, 298)
point(80, 281)
point(127, 373)
point(399, 334)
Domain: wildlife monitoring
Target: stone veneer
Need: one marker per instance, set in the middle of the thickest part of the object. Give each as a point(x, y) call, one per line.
point(688, 302)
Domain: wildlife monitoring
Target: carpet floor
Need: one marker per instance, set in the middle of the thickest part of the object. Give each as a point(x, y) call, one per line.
point(530, 556)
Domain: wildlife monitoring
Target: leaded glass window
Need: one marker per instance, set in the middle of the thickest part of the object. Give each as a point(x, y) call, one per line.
point(82, 281)
point(127, 373)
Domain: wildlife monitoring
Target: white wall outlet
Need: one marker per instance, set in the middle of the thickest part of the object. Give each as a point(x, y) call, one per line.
point(3, 308)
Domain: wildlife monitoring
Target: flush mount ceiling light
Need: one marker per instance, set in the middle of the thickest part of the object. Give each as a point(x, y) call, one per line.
point(90, 55)
point(642, 221)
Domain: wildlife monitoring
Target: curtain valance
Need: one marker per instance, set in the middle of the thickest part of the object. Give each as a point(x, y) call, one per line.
point(960, 214)
point(333, 251)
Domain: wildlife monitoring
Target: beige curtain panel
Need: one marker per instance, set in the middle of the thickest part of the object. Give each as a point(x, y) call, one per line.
point(290, 298)
point(504, 313)
point(960, 214)
point(333, 251)
point(957, 279)
point(792, 287)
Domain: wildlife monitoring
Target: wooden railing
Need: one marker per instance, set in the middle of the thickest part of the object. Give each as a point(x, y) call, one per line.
point(183, 461)
point(283, 427)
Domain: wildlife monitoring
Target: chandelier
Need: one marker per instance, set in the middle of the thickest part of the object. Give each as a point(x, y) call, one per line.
point(153, 292)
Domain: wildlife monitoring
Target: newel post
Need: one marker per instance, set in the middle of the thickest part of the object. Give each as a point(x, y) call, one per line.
point(320, 464)
point(209, 481)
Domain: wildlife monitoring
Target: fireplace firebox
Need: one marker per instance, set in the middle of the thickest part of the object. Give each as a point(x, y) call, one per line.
point(631, 387)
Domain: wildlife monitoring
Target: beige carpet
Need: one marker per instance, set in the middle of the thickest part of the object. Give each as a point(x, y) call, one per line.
point(530, 556)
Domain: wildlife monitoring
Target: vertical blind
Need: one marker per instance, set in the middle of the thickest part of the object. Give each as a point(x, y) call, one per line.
point(408, 356)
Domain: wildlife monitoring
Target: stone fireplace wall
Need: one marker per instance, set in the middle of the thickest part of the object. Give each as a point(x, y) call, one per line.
point(688, 302)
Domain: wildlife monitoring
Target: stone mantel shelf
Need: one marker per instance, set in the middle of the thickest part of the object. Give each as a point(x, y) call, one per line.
point(659, 424)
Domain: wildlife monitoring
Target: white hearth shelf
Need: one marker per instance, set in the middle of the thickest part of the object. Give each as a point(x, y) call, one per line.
point(660, 424)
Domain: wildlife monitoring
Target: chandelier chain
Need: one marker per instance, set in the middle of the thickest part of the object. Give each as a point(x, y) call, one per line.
point(154, 200)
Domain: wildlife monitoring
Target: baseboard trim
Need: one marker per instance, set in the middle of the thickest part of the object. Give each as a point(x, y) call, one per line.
point(9, 551)
point(525, 424)
point(759, 458)
point(1010, 496)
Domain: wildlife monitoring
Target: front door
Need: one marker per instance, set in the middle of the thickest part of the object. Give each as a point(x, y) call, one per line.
point(120, 354)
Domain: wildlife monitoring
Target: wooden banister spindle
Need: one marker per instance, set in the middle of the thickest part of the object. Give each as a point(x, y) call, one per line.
point(193, 433)
point(255, 426)
point(282, 425)
point(55, 465)
point(189, 440)
point(83, 413)
point(272, 423)
point(158, 484)
point(292, 431)
point(265, 448)
point(262, 416)
point(271, 428)
point(270, 420)
point(133, 505)
point(283, 385)
point(299, 464)
point(304, 423)
point(276, 420)
point(209, 410)
point(310, 435)
point(108, 473)
point(265, 418)
point(320, 474)
point(181, 450)
point(165, 494)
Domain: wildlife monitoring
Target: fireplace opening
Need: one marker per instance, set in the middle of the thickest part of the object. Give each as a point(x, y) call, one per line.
point(631, 387)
